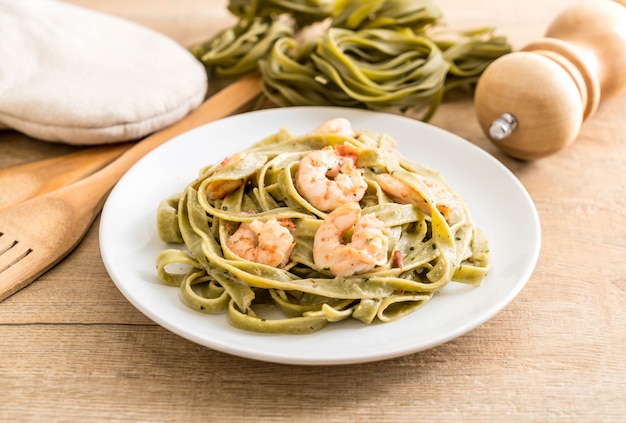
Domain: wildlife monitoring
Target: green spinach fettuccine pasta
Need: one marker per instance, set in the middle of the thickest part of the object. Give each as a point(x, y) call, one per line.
point(322, 227)
point(393, 55)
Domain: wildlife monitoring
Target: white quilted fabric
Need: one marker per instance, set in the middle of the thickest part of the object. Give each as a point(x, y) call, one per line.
point(68, 74)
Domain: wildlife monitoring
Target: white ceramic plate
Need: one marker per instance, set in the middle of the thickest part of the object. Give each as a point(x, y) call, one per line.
point(497, 200)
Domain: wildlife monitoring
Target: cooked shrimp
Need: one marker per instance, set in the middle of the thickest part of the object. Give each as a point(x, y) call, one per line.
point(267, 242)
point(327, 179)
point(403, 193)
point(366, 249)
point(219, 189)
point(339, 126)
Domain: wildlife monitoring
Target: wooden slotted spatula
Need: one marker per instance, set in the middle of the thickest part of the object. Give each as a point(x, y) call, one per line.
point(38, 233)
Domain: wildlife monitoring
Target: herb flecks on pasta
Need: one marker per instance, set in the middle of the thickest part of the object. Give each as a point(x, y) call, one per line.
point(299, 231)
point(391, 55)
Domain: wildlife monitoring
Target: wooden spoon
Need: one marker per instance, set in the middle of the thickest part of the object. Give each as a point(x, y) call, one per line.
point(37, 234)
point(20, 183)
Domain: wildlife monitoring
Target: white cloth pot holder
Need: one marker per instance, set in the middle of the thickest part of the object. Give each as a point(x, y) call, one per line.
point(77, 76)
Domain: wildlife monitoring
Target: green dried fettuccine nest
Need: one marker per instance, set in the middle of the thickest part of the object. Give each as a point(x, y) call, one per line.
point(374, 68)
point(236, 51)
point(416, 15)
point(379, 54)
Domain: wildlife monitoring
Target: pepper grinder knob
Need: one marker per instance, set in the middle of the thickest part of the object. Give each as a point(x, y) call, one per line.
point(533, 102)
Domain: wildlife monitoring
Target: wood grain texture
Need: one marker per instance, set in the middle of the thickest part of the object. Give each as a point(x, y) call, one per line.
point(73, 349)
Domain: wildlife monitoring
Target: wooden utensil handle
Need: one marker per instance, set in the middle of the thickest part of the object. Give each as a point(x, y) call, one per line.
point(19, 183)
point(532, 103)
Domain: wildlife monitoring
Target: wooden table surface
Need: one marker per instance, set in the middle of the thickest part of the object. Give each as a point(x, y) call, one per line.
point(74, 349)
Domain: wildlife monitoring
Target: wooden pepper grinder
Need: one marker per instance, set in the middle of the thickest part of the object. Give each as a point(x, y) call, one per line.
point(533, 102)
